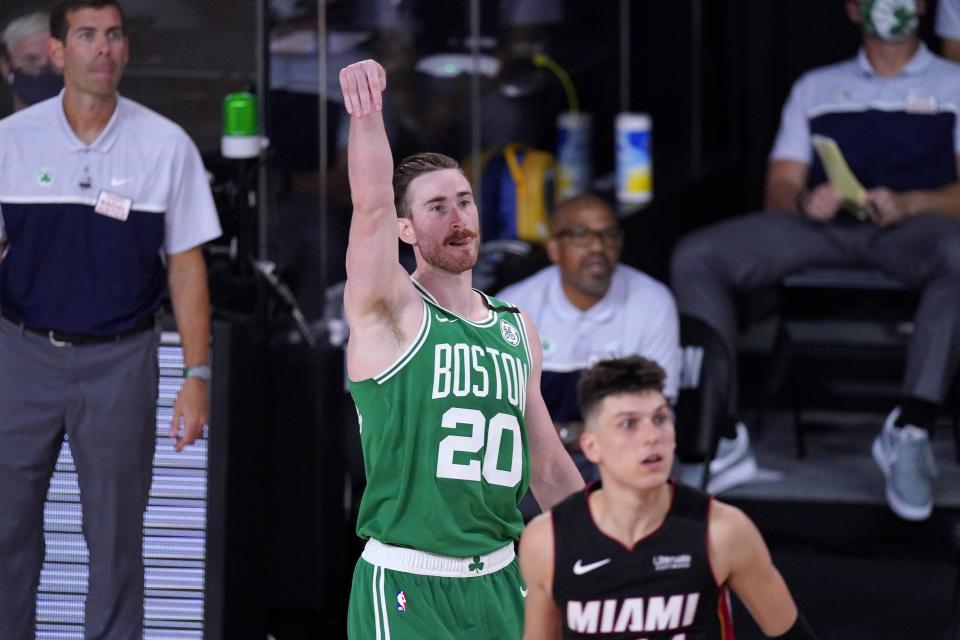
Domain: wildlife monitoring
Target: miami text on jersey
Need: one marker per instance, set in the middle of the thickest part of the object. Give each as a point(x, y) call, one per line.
point(655, 613)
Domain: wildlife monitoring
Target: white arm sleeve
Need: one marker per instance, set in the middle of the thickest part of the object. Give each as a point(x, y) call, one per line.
point(191, 217)
point(793, 137)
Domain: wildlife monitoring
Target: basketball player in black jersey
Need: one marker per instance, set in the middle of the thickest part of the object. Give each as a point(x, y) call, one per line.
point(637, 556)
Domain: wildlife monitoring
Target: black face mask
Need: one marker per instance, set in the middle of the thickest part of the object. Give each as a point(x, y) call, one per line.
point(34, 88)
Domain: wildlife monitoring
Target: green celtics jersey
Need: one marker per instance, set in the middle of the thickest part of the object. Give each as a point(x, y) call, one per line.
point(443, 435)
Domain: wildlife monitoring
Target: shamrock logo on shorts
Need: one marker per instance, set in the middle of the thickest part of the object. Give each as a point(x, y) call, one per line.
point(477, 565)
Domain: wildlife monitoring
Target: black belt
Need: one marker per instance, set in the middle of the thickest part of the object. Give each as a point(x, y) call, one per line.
point(65, 339)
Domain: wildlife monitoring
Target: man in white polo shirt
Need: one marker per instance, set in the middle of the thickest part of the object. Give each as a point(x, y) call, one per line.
point(893, 110)
point(103, 204)
point(589, 306)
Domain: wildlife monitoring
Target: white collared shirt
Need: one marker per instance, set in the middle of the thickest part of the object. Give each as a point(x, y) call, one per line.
point(72, 263)
point(637, 316)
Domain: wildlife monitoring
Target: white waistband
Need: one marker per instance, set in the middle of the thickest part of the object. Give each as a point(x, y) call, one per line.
point(431, 564)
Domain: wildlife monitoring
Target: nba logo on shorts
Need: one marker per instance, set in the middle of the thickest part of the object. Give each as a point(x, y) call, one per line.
point(401, 601)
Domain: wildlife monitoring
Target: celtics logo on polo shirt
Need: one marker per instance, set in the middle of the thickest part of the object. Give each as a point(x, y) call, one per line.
point(509, 333)
point(547, 345)
point(45, 177)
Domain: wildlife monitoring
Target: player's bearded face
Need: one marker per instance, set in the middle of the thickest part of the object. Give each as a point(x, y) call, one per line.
point(455, 251)
point(444, 220)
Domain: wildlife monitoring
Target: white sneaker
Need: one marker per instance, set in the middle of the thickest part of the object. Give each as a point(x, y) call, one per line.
point(904, 456)
point(733, 465)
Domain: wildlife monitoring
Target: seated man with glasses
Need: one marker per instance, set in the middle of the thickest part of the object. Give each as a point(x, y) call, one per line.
point(588, 307)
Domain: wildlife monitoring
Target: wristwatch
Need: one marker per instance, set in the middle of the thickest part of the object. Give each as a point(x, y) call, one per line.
point(201, 371)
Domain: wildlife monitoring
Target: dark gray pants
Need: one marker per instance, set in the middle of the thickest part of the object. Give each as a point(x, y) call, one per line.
point(104, 397)
point(759, 249)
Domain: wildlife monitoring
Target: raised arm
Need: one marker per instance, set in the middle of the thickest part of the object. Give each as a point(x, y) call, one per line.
point(381, 304)
point(554, 476)
point(373, 267)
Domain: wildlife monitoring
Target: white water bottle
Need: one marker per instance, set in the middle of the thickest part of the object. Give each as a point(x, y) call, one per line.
point(634, 160)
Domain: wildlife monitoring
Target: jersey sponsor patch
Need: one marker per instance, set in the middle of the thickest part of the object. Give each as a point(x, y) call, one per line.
point(510, 334)
point(668, 563)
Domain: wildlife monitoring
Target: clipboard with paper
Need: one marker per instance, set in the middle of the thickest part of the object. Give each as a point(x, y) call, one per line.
point(841, 177)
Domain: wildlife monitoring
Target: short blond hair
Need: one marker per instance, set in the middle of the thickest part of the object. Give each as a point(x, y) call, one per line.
point(36, 22)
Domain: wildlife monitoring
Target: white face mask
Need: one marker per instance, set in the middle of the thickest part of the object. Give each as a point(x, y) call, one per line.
point(889, 20)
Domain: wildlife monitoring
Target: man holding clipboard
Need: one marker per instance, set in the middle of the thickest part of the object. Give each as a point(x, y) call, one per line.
point(893, 111)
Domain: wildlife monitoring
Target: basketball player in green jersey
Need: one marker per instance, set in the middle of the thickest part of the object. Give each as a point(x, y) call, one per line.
point(446, 381)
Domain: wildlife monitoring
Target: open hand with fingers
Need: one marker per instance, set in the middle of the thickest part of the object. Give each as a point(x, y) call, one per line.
point(189, 413)
point(362, 84)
